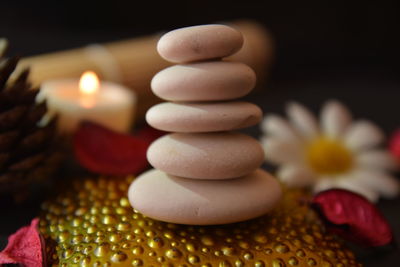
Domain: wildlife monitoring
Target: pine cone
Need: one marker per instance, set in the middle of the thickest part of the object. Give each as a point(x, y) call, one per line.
point(28, 154)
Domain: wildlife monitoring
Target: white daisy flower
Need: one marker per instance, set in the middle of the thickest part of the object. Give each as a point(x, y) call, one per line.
point(338, 153)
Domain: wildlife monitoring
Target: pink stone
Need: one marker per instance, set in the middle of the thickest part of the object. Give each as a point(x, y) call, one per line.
point(202, 202)
point(203, 117)
point(206, 155)
point(199, 43)
point(206, 81)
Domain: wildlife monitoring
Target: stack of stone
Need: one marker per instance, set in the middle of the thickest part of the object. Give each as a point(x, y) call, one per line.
point(204, 173)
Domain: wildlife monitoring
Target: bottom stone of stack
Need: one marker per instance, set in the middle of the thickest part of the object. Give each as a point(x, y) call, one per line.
point(204, 202)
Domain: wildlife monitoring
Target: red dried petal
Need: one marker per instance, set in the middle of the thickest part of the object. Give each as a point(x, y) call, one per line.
point(149, 134)
point(394, 145)
point(104, 151)
point(353, 217)
point(24, 247)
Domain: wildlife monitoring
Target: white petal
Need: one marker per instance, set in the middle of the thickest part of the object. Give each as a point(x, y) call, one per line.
point(335, 118)
point(376, 159)
point(282, 151)
point(303, 120)
point(347, 183)
point(354, 186)
point(296, 175)
point(324, 183)
point(378, 181)
point(363, 135)
point(277, 126)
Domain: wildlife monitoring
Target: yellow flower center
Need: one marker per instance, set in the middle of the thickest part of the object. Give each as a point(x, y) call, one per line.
point(327, 156)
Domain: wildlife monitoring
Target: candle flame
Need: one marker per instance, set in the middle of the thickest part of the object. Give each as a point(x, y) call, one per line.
point(89, 83)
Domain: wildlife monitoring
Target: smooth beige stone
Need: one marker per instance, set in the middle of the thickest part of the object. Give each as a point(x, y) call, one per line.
point(221, 155)
point(199, 43)
point(202, 202)
point(205, 81)
point(207, 117)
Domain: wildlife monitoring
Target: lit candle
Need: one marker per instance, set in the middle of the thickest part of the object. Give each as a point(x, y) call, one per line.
point(73, 101)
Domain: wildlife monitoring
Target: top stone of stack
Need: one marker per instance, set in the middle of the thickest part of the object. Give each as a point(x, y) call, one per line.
point(183, 45)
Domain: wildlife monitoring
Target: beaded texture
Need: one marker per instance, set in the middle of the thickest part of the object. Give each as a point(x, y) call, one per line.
point(93, 224)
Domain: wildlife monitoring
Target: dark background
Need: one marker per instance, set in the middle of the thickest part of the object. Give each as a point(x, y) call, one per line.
point(348, 50)
point(309, 34)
